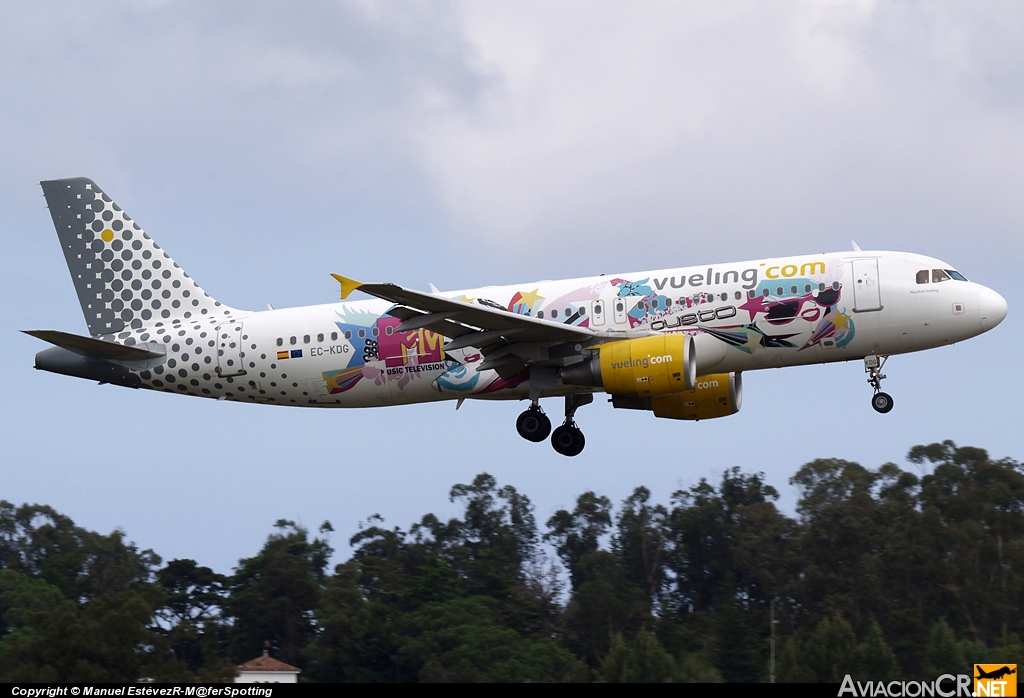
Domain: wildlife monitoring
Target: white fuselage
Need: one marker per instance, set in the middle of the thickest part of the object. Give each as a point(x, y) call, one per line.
point(746, 315)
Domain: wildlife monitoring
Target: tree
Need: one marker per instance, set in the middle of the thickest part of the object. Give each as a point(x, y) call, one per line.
point(873, 658)
point(641, 660)
point(640, 542)
point(578, 534)
point(190, 618)
point(942, 655)
point(273, 595)
point(351, 645)
point(976, 506)
point(830, 650)
point(736, 642)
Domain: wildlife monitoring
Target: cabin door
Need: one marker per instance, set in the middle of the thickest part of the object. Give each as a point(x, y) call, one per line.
point(866, 293)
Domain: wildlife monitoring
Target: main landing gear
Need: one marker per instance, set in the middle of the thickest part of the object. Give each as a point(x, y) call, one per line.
point(567, 439)
point(882, 402)
point(533, 424)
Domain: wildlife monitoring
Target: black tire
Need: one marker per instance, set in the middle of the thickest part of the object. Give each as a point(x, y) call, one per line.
point(533, 425)
point(882, 402)
point(568, 440)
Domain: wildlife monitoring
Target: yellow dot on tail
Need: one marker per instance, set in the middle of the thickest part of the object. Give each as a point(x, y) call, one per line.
point(107, 235)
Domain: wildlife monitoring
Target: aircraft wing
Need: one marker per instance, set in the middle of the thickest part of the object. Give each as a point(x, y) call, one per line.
point(469, 324)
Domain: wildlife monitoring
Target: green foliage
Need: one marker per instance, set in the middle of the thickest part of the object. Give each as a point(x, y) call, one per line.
point(884, 574)
point(640, 660)
point(82, 642)
point(736, 651)
point(942, 655)
point(273, 595)
point(696, 667)
point(873, 659)
point(578, 534)
point(190, 618)
point(829, 652)
point(790, 666)
point(602, 606)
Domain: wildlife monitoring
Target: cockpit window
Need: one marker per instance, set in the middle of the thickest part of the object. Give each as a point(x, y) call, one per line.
point(939, 275)
point(922, 276)
point(956, 275)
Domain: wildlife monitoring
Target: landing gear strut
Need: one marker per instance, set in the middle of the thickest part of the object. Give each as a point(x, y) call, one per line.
point(567, 439)
point(882, 402)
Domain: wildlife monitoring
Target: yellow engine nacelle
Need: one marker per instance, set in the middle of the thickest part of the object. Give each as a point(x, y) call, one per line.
point(717, 395)
point(645, 367)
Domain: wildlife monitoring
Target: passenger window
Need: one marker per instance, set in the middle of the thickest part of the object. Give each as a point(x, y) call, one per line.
point(554, 314)
point(766, 293)
point(389, 330)
point(334, 336)
point(348, 334)
point(597, 308)
point(724, 296)
point(292, 340)
point(821, 287)
point(305, 340)
point(792, 289)
point(280, 341)
point(654, 304)
point(939, 275)
point(807, 288)
point(320, 338)
point(739, 296)
point(778, 291)
point(540, 314)
point(583, 311)
point(362, 333)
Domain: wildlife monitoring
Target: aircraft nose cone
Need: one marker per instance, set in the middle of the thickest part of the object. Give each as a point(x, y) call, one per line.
point(993, 308)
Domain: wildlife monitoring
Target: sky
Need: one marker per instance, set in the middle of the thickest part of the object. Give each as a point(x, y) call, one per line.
point(265, 146)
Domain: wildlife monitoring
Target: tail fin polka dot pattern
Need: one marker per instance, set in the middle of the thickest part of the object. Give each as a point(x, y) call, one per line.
point(123, 279)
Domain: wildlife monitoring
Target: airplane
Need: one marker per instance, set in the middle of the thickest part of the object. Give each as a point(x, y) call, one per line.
point(994, 674)
point(674, 342)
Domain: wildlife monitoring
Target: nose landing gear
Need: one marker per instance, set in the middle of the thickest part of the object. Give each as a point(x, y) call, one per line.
point(881, 402)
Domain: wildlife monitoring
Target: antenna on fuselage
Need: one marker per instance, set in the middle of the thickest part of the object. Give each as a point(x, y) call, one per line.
point(856, 247)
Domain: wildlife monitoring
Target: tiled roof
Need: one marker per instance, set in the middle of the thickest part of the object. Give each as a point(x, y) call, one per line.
point(266, 663)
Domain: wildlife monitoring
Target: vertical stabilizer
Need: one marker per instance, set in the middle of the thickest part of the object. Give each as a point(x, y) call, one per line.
point(122, 277)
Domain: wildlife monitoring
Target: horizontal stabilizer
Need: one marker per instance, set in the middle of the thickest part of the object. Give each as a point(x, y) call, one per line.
point(97, 348)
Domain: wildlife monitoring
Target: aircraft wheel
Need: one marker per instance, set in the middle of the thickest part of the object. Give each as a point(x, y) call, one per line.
point(882, 402)
point(568, 440)
point(533, 425)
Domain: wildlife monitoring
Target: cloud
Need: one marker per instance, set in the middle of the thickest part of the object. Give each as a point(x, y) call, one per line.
point(728, 127)
point(547, 131)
